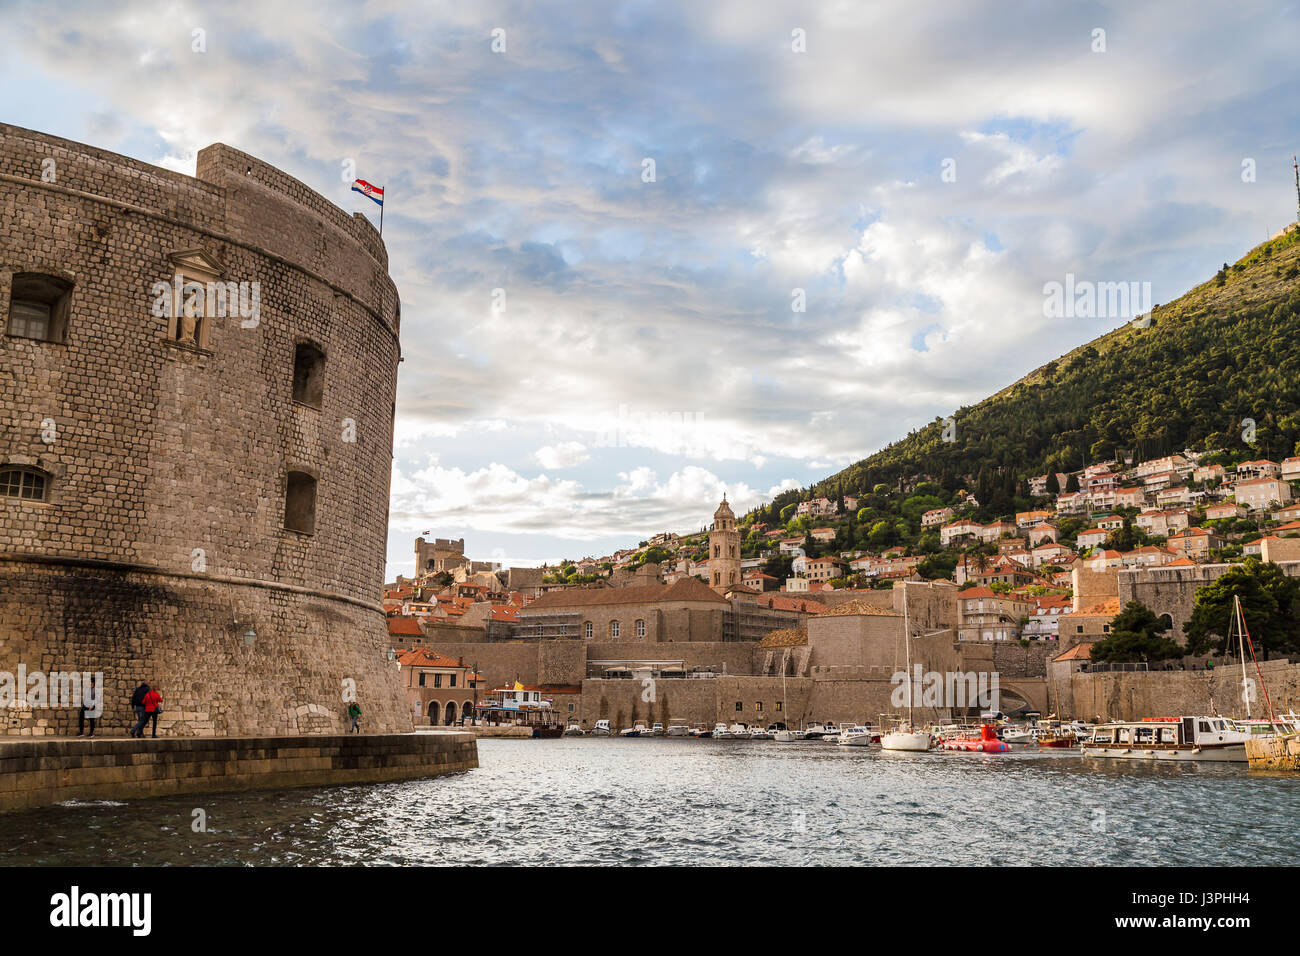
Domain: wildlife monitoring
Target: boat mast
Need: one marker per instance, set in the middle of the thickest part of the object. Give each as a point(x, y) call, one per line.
point(907, 646)
point(1240, 624)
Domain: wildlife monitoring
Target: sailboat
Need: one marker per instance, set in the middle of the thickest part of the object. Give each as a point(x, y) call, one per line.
point(906, 736)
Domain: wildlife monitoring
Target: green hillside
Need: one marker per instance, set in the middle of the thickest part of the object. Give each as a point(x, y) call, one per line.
point(1227, 350)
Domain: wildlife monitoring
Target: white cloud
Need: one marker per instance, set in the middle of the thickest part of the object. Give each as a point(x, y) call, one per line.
point(564, 455)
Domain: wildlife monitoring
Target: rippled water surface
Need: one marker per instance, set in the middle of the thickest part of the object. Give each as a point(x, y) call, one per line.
point(685, 801)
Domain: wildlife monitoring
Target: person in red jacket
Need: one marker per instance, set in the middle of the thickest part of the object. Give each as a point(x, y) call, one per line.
point(152, 708)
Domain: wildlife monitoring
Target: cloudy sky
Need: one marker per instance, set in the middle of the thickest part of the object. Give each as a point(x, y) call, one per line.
point(603, 217)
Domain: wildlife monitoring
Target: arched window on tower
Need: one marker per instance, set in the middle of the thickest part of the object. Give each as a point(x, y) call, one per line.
point(25, 484)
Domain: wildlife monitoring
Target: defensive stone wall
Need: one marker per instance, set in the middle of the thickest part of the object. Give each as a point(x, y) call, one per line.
point(206, 519)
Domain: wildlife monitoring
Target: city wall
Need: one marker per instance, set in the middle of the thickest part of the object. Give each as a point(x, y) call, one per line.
point(1133, 695)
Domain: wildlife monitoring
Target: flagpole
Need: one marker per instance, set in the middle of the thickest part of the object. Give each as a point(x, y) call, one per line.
point(381, 214)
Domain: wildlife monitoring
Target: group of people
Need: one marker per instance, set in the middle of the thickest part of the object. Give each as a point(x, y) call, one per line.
point(147, 704)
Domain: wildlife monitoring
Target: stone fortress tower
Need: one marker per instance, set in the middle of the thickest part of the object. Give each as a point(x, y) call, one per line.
point(724, 548)
point(194, 477)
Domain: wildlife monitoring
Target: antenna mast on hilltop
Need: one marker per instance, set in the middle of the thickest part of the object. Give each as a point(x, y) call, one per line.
point(1295, 164)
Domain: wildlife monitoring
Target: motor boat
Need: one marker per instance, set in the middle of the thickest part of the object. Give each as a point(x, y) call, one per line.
point(639, 730)
point(759, 733)
point(1018, 736)
point(720, 732)
point(602, 729)
point(677, 730)
point(657, 730)
point(832, 731)
point(1170, 738)
point(701, 733)
point(738, 732)
point(856, 735)
point(789, 736)
point(906, 739)
point(574, 730)
point(816, 732)
point(986, 743)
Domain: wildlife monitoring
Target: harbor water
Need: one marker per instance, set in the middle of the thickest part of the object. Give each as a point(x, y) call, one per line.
point(685, 801)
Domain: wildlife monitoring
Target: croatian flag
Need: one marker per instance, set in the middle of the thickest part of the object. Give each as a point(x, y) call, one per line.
point(366, 189)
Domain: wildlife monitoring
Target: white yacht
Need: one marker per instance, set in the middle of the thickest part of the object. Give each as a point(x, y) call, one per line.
point(905, 736)
point(855, 736)
point(818, 731)
point(657, 730)
point(720, 732)
point(1019, 735)
point(574, 730)
point(601, 729)
point(677, 730)
point(758, 733)
point(738, 732)
point(788, 736)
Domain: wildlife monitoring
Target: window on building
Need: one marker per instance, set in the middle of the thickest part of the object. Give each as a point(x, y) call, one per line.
point(308, 375)
point(588, 630)
point(25, 484)
point(300, 503)
point(780, 706)
point(613, 629)
point(758, 705)
point(437, 680)
point(453, 680)
point(422, 676)
point(39, 306)
point(640, 630)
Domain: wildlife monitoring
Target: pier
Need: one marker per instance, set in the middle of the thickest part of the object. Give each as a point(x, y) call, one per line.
point(41, 771)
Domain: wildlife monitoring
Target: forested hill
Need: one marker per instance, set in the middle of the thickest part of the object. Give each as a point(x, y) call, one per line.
point(1227, 350)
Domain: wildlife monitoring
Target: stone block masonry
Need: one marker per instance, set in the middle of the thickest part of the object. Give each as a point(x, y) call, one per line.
point(36, 773)
point(213, 503)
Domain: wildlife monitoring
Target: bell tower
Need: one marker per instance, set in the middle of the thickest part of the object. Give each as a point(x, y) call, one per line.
point(724, 548)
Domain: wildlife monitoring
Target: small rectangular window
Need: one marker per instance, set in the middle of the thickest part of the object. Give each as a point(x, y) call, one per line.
point(740, 706)
point(300, 503)
point(39, 306)
point(308, 375)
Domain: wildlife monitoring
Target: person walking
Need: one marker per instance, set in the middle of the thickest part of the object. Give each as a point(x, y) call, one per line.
point(89, 707)
point(137, 704)
point(354, 711)
point(152, 708)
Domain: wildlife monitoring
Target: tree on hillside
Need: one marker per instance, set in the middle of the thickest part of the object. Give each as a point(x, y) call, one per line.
point(1136, 634)
point(1268, 599)
point(1123, 539)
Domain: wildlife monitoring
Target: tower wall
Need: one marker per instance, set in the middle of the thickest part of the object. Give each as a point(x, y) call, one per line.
point(163, 541)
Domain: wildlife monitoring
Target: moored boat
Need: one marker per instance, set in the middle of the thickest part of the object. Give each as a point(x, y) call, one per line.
point(856, 735)
point(986, 743)
point(601, 729)
point(1169, 738)
point(574, 730)
point(677, 730)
